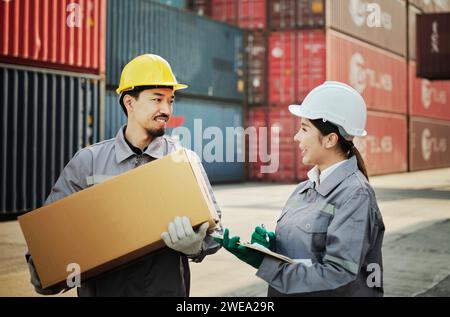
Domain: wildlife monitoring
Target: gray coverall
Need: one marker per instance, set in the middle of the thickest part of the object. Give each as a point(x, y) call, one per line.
point(339, 227)
point(162, 273)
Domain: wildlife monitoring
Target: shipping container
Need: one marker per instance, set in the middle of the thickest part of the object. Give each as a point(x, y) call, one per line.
point(296, 64)
point(46, 116)
point(256, 67)
point(247, 14)
point(430, 6)
point(384, 149)
point(59, 34)
point(412, 26)
point(180, 4)
point(296, 14)
point(379, 22)
point(205, 54)
point(283, 148)
point(202, 126)
point(428, 98)
point(200, 7)
point(433, 45)
point(379, 76)
point(429, 143)
point(256, 143)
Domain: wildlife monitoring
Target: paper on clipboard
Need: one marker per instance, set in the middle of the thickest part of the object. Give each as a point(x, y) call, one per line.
point(260, 248)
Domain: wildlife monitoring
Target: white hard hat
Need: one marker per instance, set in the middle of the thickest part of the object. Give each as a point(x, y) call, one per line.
point(338, 103)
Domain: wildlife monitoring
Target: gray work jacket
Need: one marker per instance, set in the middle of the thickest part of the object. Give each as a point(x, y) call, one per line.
point(161, 273)
point(339, 228)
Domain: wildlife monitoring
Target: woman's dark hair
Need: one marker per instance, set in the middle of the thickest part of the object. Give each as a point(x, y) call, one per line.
point(347, 147)
point(135, 94)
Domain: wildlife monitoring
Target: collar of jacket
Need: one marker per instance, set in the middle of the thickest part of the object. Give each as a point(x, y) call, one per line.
point(334, 179)
point(155, 148)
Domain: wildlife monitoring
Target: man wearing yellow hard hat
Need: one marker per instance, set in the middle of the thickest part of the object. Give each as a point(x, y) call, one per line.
point(146, 94)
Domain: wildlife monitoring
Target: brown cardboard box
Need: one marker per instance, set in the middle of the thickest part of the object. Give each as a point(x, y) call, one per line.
point(117, 221)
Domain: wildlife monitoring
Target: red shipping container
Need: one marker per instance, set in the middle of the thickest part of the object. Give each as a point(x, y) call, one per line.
point(282, 146)
point(282, 67)
point(296, 64)
point(248, 14)
point(378, 75)
point(428, 98)
point(252, 14)
point(429, 143)
point(224, 10)
point(256, 52)
point(60, 34)
point(257, 118)
point(384, 148)
point(311, 53)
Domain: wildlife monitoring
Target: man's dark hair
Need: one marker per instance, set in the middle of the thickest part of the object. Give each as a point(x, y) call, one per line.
point(135, 92)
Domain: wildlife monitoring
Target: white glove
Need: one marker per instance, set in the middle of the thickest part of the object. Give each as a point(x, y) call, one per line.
point(182, 238)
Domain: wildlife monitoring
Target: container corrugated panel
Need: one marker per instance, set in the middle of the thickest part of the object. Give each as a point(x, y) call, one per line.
point(252, 14)
point(46, 118)
point(256, 56)
point(285, 122)
point(258, 143)
point(180, 4)
point(247, 14)
point(428, 98)
point(296, 14)
point(429, 143)
point(379, 22)
point(213, 114)
point(311, 54)
point(378, 75)
point(60, 34)
point(205, 54)
point(433, 45)
point(282, 66)
point(225, 11)
point(384, 149)
point(296, 64)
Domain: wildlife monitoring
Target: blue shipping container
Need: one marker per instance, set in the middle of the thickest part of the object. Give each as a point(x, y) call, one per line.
point(206, 55)
point(46, 117)
point(209, 119)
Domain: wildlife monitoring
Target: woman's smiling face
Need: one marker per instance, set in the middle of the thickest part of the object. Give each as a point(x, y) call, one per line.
point(309, 139)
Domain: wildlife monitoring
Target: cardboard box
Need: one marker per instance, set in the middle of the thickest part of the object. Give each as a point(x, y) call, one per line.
point(119, 220)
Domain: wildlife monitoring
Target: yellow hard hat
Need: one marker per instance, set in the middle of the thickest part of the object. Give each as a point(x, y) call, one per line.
point(147, 70)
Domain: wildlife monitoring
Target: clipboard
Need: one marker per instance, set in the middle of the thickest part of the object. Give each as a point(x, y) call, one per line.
point(260, 248)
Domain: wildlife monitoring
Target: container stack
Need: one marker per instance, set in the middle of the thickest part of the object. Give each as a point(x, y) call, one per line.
point(429, 102)
point(205, 54)
point(362, 43)
point(51, 70)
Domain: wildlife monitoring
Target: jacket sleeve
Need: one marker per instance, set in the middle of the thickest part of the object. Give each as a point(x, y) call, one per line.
point(209, 245)
point(346, 247)
point(71, 180)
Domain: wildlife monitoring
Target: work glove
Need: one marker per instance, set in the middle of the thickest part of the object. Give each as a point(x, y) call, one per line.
point(249, 256)
point(182, 238)
point(264, 238)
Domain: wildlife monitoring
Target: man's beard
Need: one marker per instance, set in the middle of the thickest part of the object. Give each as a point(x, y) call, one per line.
point(156, 132)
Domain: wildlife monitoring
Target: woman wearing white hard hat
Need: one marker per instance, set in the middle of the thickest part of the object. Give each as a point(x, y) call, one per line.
point(331, 224)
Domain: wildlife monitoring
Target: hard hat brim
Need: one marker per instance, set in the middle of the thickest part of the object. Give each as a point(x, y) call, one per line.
point(299, 111)
point(176, 87)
